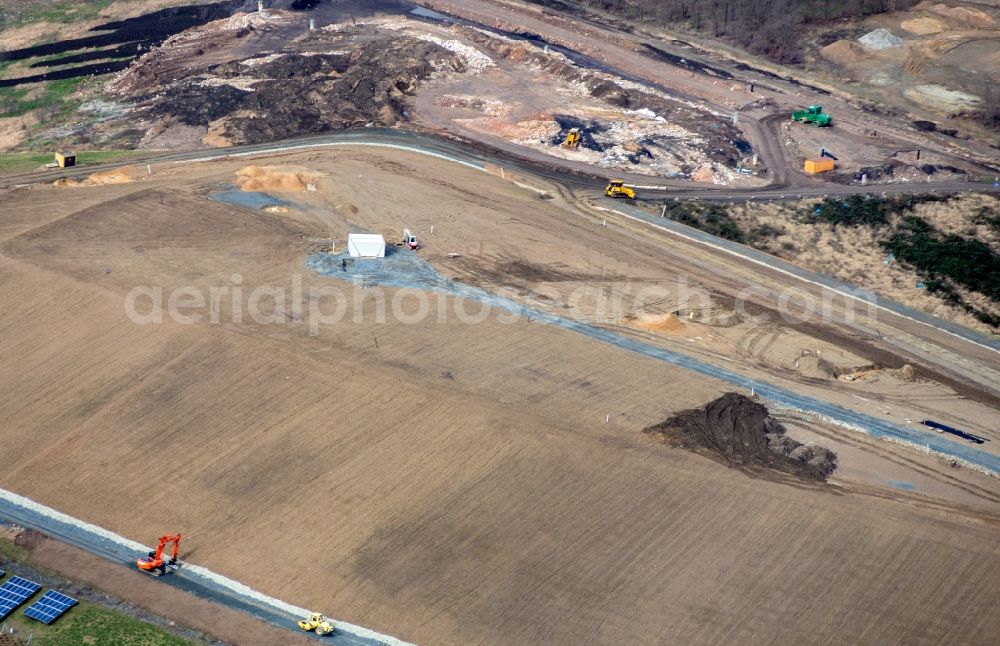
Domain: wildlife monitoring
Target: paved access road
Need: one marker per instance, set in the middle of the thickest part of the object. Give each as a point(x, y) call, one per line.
point(483, 155)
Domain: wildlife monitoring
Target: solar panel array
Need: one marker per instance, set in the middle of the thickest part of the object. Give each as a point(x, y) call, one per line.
point(50, 607)
point(13, 593)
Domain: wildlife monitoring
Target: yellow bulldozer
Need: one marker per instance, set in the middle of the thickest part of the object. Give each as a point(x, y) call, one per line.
point(572, 139)
point(316, 623)
point(617, 188)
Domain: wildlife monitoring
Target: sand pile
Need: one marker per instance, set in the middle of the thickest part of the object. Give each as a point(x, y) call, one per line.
point(843, 52)
point(922, 26)
point(704, 174)
point(964, 16)
point(656, 323)
point(515, 53)
point(741, 433)
point(121, 175)
point(275, 178)
point(529, 130)
point(880, 39)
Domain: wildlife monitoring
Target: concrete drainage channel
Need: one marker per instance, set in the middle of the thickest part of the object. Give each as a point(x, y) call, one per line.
point(406, 270)
point(24, 512)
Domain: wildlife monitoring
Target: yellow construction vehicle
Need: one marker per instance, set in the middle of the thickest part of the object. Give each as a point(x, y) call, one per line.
point(316, 623)
point(617, 188)
point(572, 139)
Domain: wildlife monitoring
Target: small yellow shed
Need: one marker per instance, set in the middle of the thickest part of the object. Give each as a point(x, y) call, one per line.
point(814, 166)
point(65, 160)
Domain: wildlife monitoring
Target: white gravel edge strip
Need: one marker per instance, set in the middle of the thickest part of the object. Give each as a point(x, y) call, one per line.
point(193, 570)
point(270, 151)
point(48, 512)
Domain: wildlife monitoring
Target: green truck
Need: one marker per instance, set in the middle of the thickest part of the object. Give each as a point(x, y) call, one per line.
point(813, 114)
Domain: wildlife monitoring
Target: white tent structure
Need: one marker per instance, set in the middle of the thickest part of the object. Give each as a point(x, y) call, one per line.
point(366, 245)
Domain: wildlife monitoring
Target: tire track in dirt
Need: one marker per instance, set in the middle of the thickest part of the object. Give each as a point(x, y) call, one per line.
point(895, 458)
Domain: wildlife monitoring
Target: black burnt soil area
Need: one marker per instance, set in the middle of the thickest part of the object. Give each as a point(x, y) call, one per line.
point(740, 432)
point(298, 94)
point(122, 40)
point(695, 66)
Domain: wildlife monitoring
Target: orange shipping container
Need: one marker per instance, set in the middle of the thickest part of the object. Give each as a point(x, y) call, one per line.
point(818, 165)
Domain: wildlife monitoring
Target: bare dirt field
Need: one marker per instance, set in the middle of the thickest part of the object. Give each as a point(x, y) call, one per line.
point(940, 59)
point(453, 482)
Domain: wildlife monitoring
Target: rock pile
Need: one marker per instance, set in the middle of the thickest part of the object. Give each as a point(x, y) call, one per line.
point(880, 39)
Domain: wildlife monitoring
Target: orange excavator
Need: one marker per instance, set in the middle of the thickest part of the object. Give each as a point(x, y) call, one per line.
point(154, 563)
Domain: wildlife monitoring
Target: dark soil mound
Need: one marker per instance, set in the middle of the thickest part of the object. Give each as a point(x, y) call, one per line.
point(741, 433)
point(297, 93)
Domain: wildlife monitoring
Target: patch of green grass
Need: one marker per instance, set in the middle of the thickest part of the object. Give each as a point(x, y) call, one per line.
point(10, 551)
point(23, 162)
point(15, 101)
point(63, 11)
point(87, 623)
point(105, 156)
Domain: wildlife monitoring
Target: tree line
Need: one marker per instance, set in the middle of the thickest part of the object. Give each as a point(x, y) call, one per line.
point(768, 27)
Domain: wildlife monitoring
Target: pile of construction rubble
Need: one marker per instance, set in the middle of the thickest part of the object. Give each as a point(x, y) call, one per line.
point(262, 76)
point(624, 125)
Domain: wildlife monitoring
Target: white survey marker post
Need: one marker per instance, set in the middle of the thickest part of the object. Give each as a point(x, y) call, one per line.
point(366, 245)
